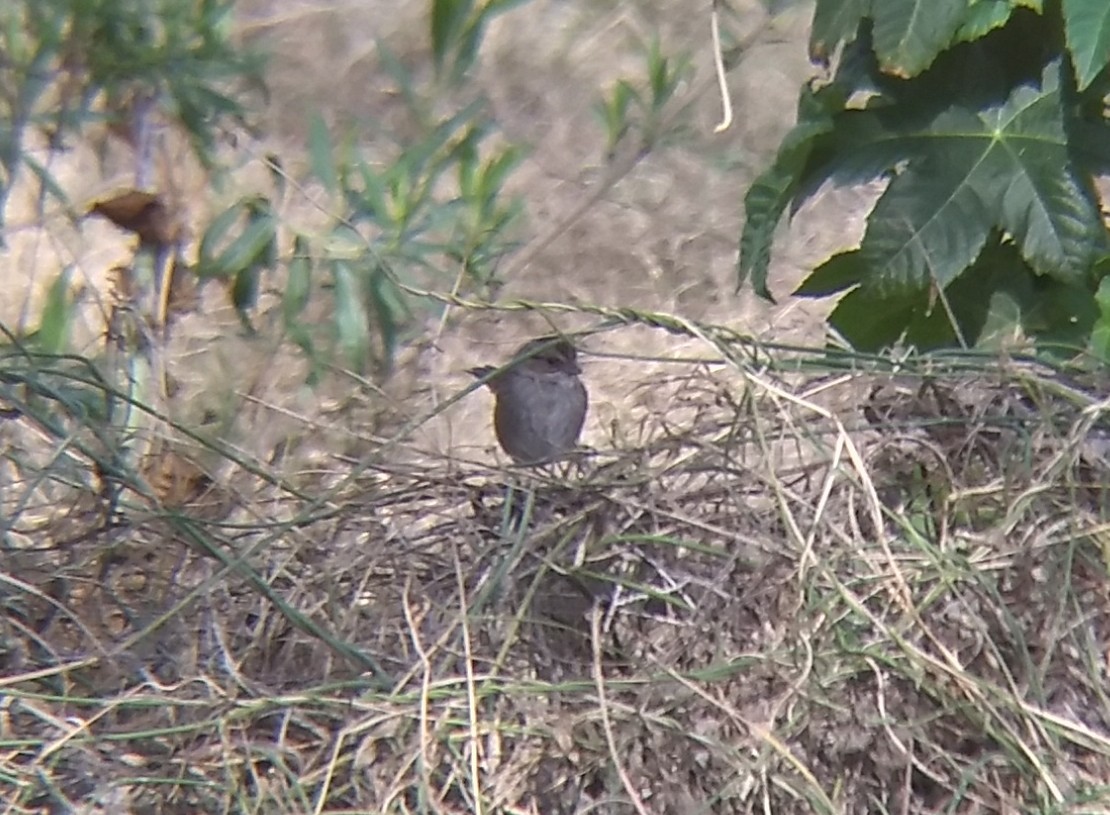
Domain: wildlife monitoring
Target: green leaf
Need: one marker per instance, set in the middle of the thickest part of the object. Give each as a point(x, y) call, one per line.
point(986, 300)
point(968, 170)
point(469, 43)
point(909, 34)
point(57, 315)
point(244, 293)
point(1100, 334)
point(834, 22)
point(207, 266)
point(1028, 177)
point(383, 299)
point(1087, 29)
point(982, 17)
point(351, 320)
point(496, 171)
point(841, 271)
point(447, 22)
point(870, 321)
point(251, 248)
point(299, 285)
point(1063, 314)
point(926, 229)
point(319, 148)
point(772, 191)
point(372, 202)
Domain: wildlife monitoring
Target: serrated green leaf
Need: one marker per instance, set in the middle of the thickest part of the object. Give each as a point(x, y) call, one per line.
point(834, 22)
point(841, 271)
point(1007, 166)
point(1028, 178)
point(1087, 29)
point(980, 18)
point(772, 191)
point(925, 230)
point(909, 34)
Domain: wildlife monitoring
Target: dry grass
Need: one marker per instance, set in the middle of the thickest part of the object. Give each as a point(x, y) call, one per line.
point(782, 583)
point(778, 604)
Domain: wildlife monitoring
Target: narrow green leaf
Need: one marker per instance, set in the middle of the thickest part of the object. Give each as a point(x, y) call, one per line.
point(496, 171)
point(299, 284)
point(319, 149)
point(470, 41)
point(447, 20)
point(351, 319)
point(57, 315)
point(217, 230)
point(383, 299)
point(248, 250)
point(244, 293)
point(372, 204)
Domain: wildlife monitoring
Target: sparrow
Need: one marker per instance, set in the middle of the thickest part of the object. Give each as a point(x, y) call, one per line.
point(541, 403)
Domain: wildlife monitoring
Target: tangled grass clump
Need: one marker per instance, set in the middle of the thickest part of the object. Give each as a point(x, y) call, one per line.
point(851, 591)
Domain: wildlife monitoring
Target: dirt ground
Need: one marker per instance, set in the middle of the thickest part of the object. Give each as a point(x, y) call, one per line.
point(776, 586)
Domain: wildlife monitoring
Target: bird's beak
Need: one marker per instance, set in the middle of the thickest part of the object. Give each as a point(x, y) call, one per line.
point(481, 372)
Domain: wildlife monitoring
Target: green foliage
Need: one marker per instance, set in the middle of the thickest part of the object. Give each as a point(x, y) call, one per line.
point(240, 260)
point(987, 120)
point(69, 62)
point(631, 108)
point(57, 316)
point(438, 203)
point(427, 214)
point(457, 28)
